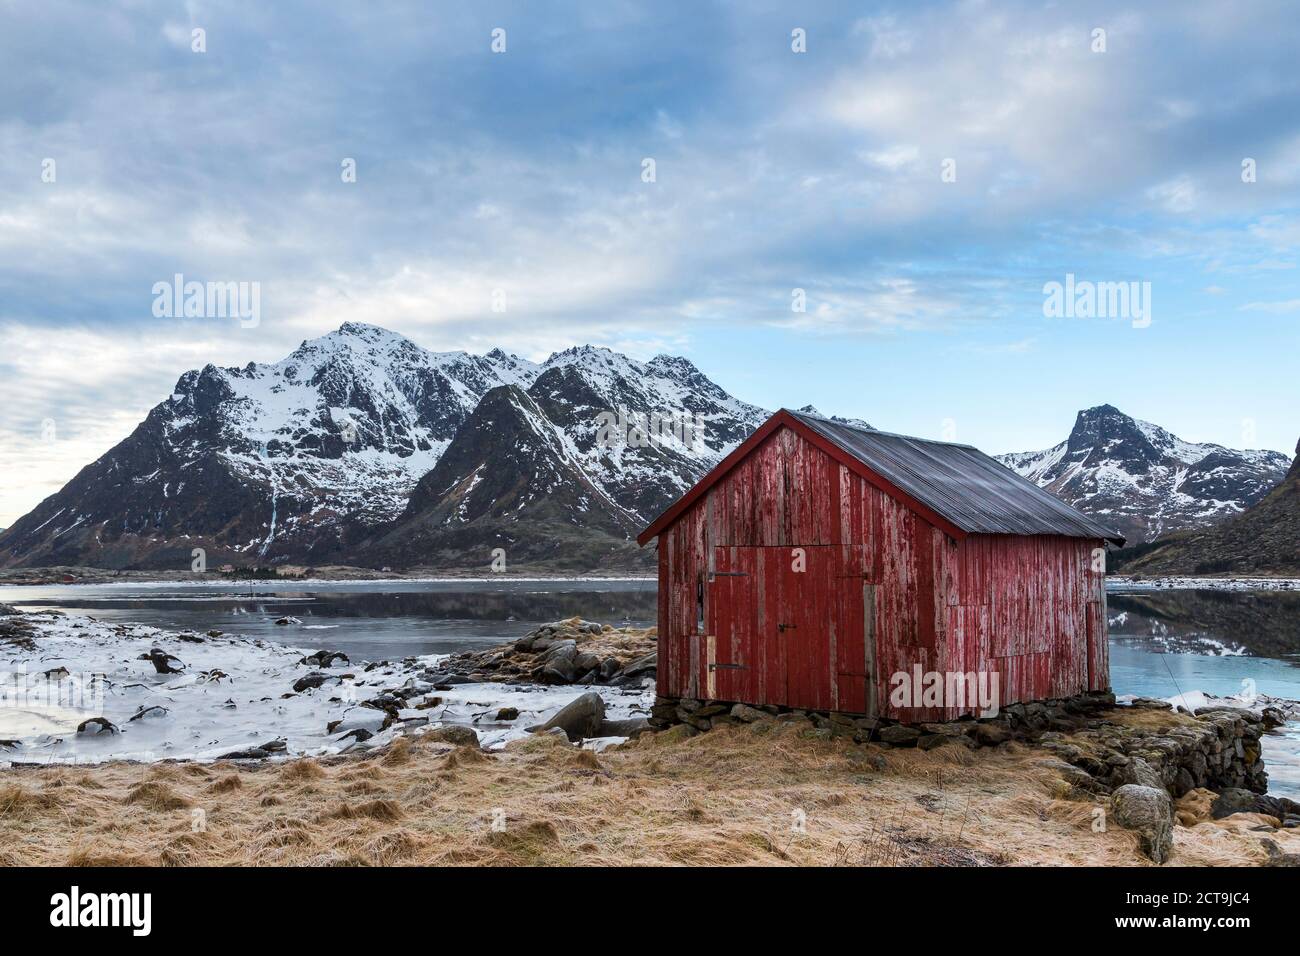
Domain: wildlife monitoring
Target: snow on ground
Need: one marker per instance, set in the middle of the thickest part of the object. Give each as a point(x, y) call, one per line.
point(235, 693)
point(299, 584)
point(1119, 584)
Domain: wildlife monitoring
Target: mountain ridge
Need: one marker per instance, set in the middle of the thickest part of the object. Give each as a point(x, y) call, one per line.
point(297, 460)
point(1143, 479)
point(337, 451)
point(1263, 539)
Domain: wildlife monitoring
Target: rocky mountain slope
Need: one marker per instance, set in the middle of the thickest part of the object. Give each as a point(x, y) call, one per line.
point(362, 448)
point(1144, 481)
point(1264, 539)
point(305, 459)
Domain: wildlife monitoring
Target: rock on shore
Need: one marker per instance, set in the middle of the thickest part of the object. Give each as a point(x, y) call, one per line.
point(571, 651)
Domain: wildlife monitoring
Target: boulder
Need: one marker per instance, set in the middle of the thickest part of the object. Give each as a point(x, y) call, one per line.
point(988, 734)
point(632, 727)
point(1277, 856)
point(1235, 800)
point(744, 712)
point(642, 665)
point(457, 734)
point(252, 753)
point(7, 610)
point(325, 658)
point(359, 718)
point(508, 713)
point(1150, 703)
point(579, 718)
point(953, 729)
point(1137, 771)
point(561, 650)
point(148, 713)
point(312, 680)
point(899, 735)
point(97, 725)
point(163, 662)
point(1148, 811)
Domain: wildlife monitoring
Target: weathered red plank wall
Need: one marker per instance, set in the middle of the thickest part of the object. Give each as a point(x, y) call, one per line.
point(1026, 607)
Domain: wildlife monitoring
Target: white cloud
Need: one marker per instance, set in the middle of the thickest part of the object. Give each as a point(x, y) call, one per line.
point(1178, 195)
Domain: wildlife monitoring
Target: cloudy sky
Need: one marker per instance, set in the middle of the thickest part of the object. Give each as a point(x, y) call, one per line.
point(830, 170)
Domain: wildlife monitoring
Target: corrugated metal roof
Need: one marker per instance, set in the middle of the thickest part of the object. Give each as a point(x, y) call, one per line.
point(960, 483)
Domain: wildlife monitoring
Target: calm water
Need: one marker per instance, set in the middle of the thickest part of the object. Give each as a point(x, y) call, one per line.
point(365, 621)
point(1162, 643)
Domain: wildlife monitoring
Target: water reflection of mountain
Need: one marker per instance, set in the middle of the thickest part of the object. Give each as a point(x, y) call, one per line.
point(1266, 624)
point(612, 606)
point(607, 606)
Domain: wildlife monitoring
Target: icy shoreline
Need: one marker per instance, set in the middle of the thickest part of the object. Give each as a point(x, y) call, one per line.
point(298, 584)
point(234, 694)
point(1116, 583)
point(1120, 584)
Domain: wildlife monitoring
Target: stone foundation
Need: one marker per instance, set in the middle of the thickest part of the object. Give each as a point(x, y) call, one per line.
point(1217, 748)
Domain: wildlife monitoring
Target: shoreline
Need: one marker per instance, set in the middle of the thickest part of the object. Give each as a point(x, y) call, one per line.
point(226, 694)
point(299, 583)
point(1120, 584)
point(1117, 584)
point(448, 784)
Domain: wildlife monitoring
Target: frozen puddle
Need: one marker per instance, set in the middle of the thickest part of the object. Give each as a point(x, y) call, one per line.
point(234, 694)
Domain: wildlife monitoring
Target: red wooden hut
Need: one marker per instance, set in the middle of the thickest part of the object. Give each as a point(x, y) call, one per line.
point(832, 567)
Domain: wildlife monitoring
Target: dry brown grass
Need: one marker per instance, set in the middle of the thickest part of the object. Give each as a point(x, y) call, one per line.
point(1141, 718)
point(733, 796)
point(624, 643)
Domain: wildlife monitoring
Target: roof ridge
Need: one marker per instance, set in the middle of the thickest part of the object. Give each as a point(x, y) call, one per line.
point(880, 431)
point(957, 488)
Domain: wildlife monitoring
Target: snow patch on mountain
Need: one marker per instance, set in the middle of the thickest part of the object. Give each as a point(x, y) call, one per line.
point(1145, 480)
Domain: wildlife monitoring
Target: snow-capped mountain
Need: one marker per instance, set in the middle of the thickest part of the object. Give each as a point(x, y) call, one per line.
point(568, 470)
point(1144, 481)
point(301, 459)
point(513, 480)
point(361, 447)
point(1263, 539)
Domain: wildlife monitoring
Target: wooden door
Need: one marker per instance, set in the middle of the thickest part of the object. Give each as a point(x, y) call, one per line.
point(731, 639)
point(791, 626)
point(829, 610)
